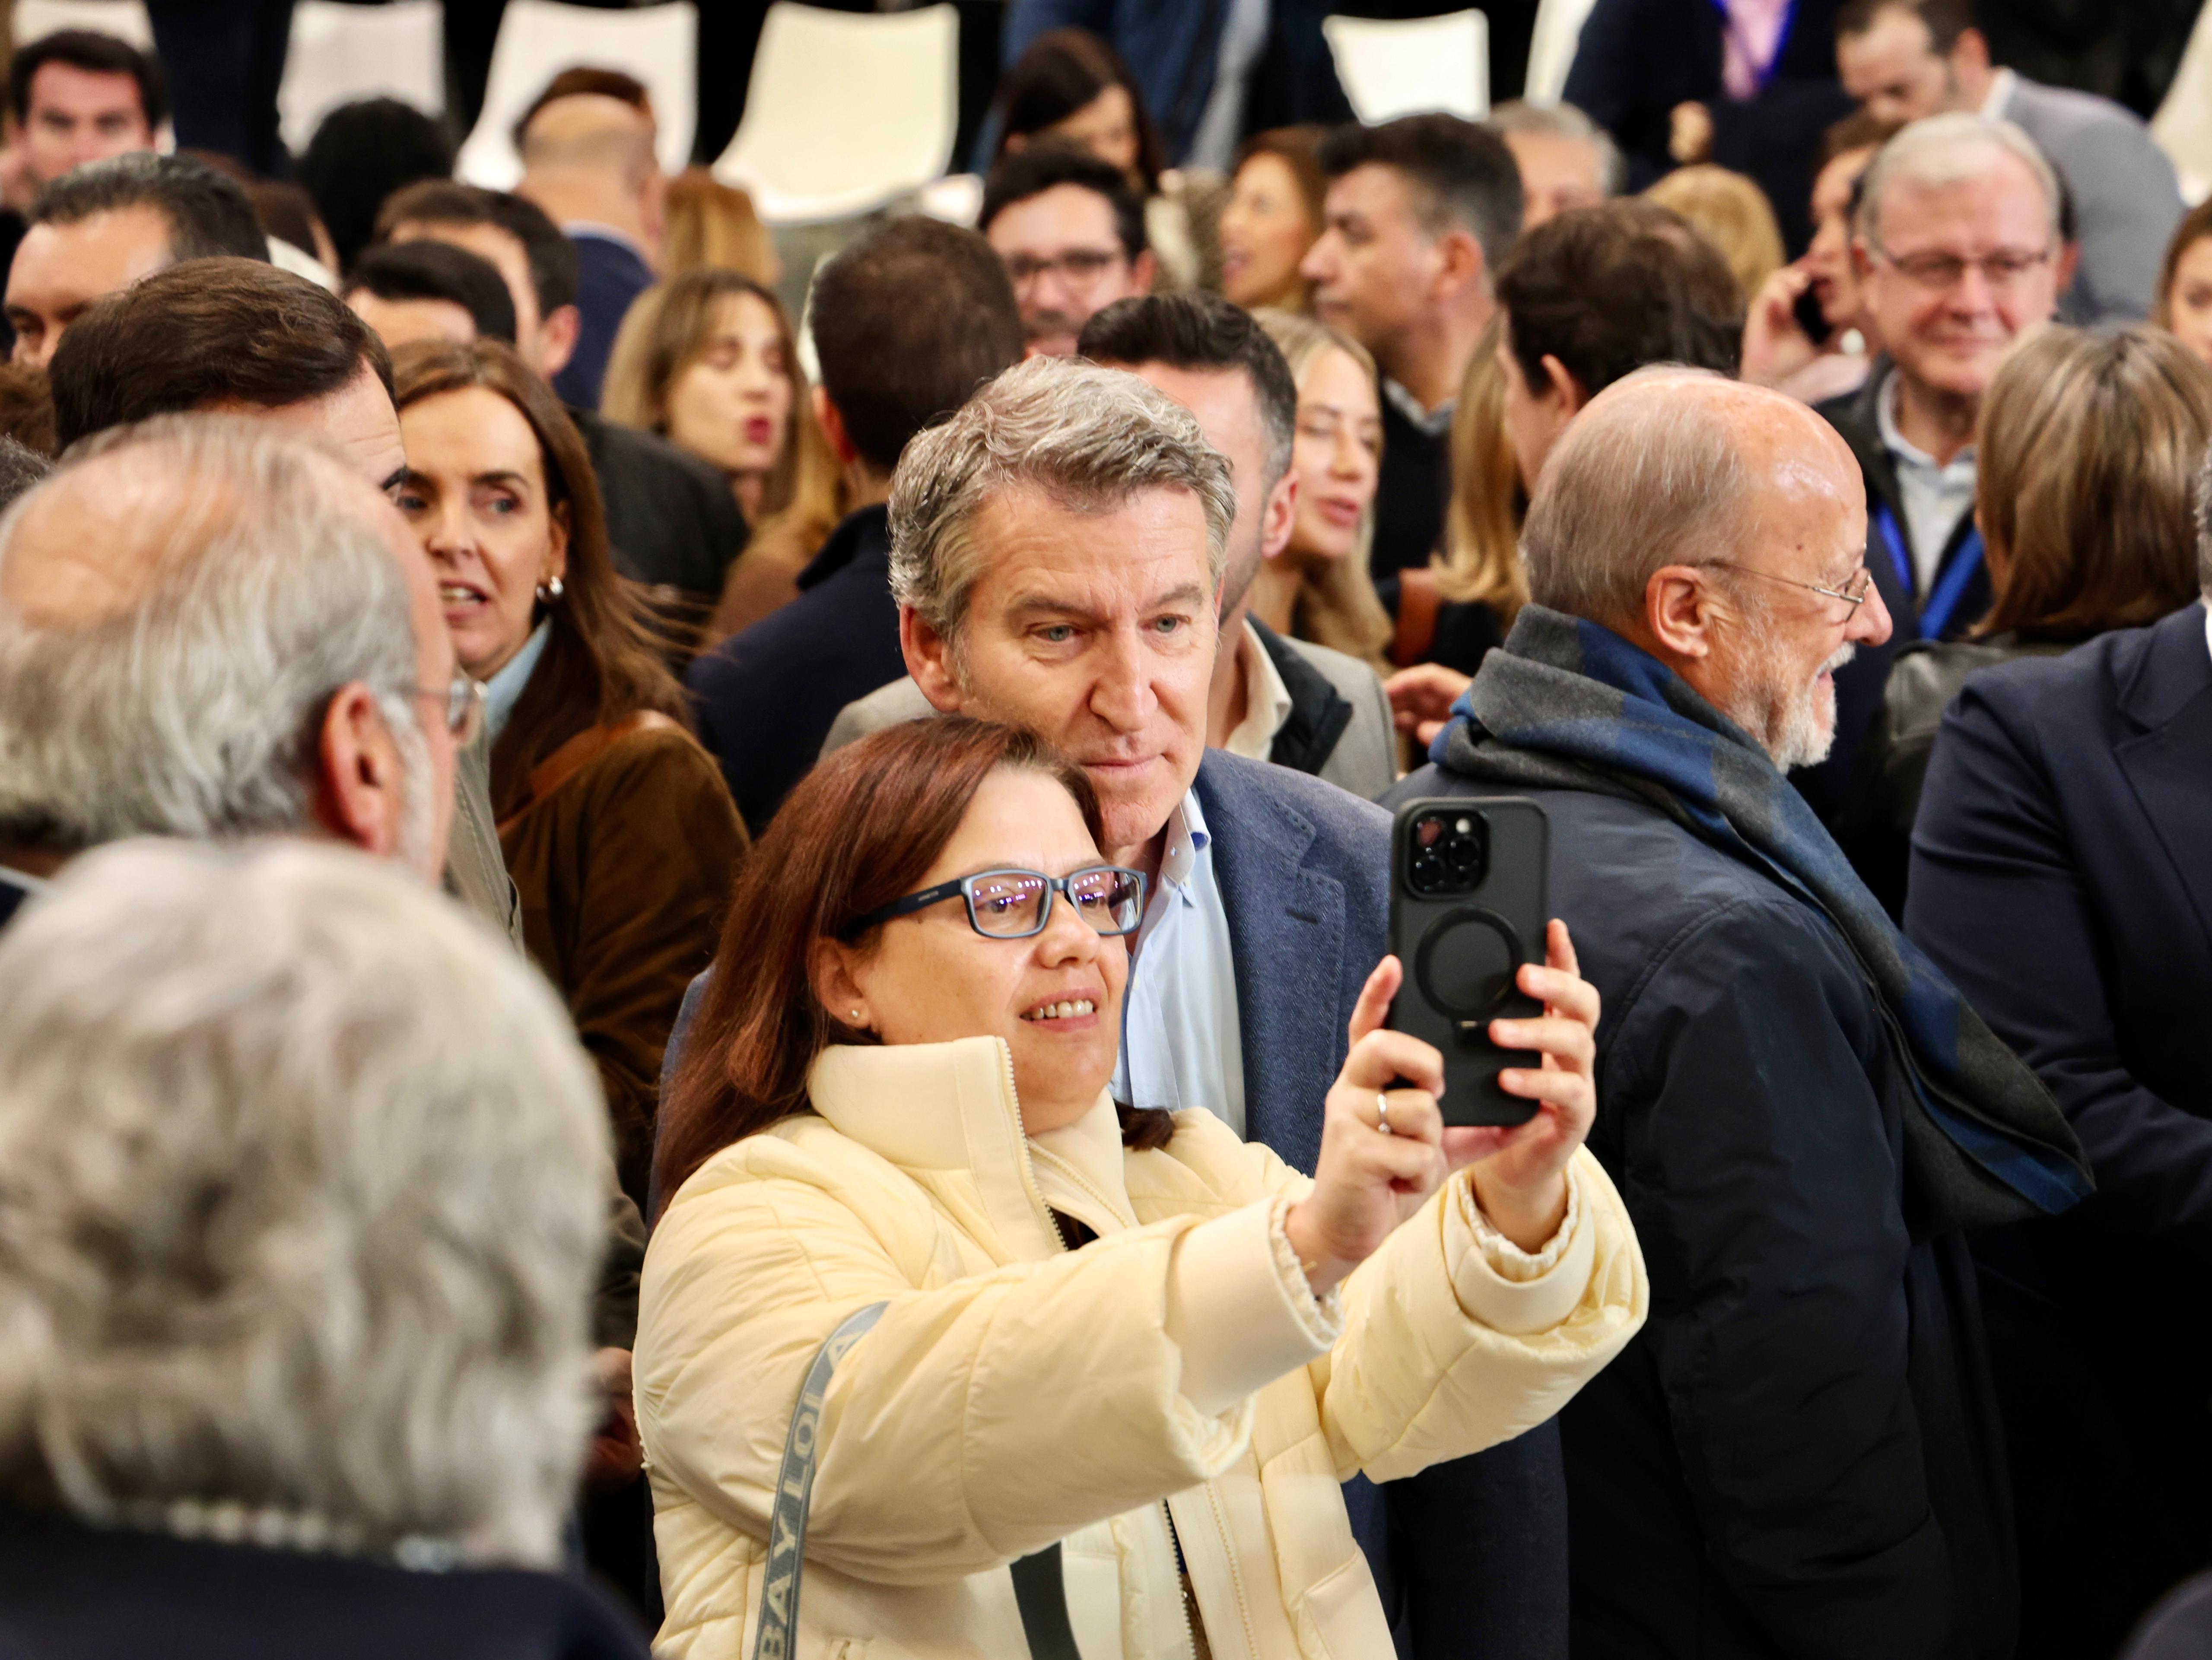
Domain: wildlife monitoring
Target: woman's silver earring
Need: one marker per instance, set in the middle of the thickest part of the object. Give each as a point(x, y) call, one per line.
point(549, 592)
point(856, 1013)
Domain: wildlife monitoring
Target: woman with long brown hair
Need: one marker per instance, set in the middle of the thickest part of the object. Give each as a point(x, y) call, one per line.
point(708, 360)
point(616, 826)
point(1098, 1330)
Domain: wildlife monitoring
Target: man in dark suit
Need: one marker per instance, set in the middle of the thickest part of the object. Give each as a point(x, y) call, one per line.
point(1958, 251)
point(2062, 875)
point(1057, 553)
point(588, 161)
point(1421, 212)
point(908, 321)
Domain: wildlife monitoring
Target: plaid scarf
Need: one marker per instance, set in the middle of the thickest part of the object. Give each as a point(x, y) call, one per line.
point(1567, 705)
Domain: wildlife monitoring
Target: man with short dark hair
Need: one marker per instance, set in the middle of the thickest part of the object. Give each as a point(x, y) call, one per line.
point(429, 291)
point(1072, 233)
point(232, 337)
point(1420, 213)
point(107, 224)
point(76, 96)
point(908, 322)
point(1589, 297)
point(674, 525)
point(1906, 59)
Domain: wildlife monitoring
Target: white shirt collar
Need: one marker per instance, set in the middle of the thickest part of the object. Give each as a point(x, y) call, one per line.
point(1894, 440)
point(1266, 699)
point(2000, 86)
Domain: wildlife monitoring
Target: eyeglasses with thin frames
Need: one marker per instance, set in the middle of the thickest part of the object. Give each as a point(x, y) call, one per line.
point(463, 700)
point(1940, 273)
point(1861, 588)
point(1081, 268)
point(1015, 904)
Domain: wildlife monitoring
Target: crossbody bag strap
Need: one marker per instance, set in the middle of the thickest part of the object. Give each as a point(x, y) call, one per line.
point(1039, 1591)
point(1419, 600)
point(580, 751)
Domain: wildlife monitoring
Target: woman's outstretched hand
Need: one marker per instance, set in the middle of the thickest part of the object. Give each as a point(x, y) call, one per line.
point(1368, 1182)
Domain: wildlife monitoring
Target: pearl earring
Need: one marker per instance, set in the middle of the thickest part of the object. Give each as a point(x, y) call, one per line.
point(549, 590)
point(856, 1013)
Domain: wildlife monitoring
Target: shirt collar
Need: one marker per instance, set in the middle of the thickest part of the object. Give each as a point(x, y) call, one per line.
point(1431, 422)
point(1266, 699)
point(1894, 440)
point(504, 689)
point(2000, 86)
point(1187, 838)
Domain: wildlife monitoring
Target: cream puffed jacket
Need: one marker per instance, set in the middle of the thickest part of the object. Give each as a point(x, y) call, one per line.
point(1015, 1392)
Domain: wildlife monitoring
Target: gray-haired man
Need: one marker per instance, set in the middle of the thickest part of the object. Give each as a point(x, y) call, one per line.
point(1058, 549)
point(304, 1201)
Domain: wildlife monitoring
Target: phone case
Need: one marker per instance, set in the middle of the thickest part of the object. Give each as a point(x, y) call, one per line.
point(1468, 908)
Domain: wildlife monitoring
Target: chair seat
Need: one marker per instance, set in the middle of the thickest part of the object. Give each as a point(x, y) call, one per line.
point(845, 110)
point(1391, 69)
point(538, 39)
point(341, 52)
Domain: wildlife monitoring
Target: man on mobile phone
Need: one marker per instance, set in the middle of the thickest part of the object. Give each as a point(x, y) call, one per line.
point(1801, 1453)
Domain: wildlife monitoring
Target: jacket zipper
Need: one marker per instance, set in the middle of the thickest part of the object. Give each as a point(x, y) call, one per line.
point(1185, 1593)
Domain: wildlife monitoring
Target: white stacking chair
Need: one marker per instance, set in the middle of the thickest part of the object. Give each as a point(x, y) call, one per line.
point(1389, 68)
point(538, 39)
point(2183, 125)
point(1557, 33)
point(341, 52)
point(845, 111)
point(126, 19)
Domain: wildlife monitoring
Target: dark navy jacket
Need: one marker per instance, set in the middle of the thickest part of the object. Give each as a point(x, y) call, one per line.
point(766, 698)
point(71, 1592)
point(2061, 875)
point(609, 275)
point(1798, 1455)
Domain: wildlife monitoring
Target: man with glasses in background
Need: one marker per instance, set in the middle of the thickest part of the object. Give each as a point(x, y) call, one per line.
point(1958, 251)
point(1072, 232)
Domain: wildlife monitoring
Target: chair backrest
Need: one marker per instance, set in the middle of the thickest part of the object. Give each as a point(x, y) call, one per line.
point(342, 53)
point(126, 20)
point(1557, 33)
point(538, 39)
point(1390, 69)
point(2183, 125)
point(846, 110)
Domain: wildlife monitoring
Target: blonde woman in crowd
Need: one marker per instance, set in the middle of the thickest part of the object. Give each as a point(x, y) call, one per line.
point(1319, 589)
point(709, 225)
point(1121, 1341)
point(708, 360)
point(1273, 216)
point(615, 825)
point(1731, 212)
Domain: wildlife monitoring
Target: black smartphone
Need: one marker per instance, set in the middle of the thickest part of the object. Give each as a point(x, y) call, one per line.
point(1467, 909)
point(1811, 318)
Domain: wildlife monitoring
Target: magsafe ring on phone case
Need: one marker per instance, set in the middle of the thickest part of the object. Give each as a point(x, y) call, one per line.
point(1465, 964)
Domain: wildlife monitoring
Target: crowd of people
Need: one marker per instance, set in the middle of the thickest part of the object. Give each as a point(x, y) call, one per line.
point(661, 948)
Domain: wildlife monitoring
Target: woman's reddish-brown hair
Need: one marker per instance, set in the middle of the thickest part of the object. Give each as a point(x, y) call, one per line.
point(859, 832)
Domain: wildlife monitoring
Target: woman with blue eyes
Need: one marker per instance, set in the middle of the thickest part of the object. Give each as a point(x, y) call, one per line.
point(615, 825)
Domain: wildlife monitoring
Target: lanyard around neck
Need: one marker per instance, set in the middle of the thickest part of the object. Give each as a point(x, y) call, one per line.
point(1951, 582)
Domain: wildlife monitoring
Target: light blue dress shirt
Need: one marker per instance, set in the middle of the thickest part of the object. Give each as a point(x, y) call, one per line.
point(504, 689)
point(1181, 1044)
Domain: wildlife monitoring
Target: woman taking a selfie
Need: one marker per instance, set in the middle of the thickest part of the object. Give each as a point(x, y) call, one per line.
point(1110, 1340)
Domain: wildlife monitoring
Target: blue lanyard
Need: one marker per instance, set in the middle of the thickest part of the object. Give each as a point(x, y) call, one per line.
point(1763, 77)
point(1950, 583)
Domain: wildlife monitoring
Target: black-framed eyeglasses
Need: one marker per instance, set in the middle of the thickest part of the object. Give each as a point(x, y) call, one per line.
point(463, 700)
point(1861, 588)
point(1081, 268)
point(1015, 904)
